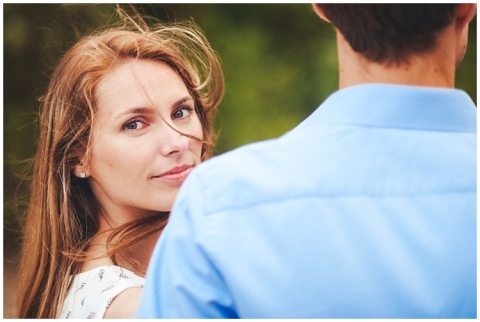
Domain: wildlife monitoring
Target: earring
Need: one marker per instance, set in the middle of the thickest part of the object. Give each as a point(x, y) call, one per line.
point(82, 174)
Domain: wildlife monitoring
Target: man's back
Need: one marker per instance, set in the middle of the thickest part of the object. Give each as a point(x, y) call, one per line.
point(366, 209)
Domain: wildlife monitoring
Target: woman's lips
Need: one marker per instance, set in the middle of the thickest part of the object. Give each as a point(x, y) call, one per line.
point(176, 174)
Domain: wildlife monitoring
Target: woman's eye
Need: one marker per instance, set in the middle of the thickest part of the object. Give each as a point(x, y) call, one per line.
point(182, 113)
point(134, 125)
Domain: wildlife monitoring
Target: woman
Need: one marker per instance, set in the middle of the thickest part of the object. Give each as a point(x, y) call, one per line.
point(126, 117)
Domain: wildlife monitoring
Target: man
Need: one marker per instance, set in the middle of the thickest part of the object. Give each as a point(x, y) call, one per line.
point(366, 210)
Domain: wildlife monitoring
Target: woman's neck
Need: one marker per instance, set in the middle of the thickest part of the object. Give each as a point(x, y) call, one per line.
point(135, 258)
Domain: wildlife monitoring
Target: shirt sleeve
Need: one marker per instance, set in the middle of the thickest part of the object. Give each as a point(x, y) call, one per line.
point(182, 281)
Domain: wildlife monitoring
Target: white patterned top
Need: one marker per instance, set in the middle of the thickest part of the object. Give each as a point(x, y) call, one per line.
point(93, 291)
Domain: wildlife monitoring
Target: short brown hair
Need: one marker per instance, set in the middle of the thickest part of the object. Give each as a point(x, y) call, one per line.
point(390, 33)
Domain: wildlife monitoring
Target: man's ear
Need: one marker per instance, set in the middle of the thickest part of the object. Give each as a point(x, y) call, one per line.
point(465, 14)
point(319, 11)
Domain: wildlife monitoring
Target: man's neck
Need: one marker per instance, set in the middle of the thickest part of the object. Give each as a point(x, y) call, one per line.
point(434, 69)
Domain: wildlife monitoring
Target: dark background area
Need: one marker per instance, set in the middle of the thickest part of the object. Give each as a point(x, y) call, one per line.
point(279, 62)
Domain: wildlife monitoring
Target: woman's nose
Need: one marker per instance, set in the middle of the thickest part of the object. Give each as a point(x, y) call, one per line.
point(172, 142)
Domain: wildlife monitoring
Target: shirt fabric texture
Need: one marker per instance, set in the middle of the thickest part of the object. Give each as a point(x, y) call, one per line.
point(367, 209)
point(93, 291)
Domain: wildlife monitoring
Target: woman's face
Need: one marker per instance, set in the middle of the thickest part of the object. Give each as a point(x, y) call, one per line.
point(138, 162)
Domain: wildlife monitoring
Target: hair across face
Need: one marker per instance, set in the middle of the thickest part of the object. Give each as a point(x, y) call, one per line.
point(390, 33)
point(139, 155)
point(71, 104)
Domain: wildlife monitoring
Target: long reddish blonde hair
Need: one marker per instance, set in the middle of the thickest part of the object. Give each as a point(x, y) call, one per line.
point(63, 212)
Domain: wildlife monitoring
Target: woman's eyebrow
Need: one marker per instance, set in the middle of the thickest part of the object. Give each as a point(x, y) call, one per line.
point(183, 100)
point(137, 110)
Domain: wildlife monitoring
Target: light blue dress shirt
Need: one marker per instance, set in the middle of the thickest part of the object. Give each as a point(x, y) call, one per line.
point(367, 209)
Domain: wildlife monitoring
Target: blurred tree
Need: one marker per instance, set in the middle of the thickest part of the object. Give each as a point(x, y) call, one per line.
point(279, 62)
point(35, 36)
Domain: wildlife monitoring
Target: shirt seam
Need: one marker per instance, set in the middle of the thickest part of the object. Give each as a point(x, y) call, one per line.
point(398, 128)
point(334, 196)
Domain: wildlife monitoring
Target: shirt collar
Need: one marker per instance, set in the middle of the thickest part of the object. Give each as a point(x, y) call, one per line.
point(398, 106)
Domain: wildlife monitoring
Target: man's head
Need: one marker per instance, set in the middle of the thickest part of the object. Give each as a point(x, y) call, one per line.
point(391, 33)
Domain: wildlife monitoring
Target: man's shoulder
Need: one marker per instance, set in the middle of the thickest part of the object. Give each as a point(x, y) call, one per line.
point(246, 175)
point(240, 162)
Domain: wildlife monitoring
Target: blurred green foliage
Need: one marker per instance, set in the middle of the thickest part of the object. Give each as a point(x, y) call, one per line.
point(279, 62)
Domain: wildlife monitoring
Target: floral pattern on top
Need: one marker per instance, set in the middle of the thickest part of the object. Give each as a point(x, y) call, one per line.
point(93, 291)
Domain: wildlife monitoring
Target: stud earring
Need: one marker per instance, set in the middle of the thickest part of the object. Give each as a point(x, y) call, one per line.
point(82, 174)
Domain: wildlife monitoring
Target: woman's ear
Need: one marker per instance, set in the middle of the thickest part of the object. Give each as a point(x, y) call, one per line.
point(319, 11)
point(81, 169)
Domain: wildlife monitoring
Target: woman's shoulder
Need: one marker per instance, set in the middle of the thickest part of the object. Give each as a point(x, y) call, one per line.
point(125, 305)
point(92, 291)
point(107, 272)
